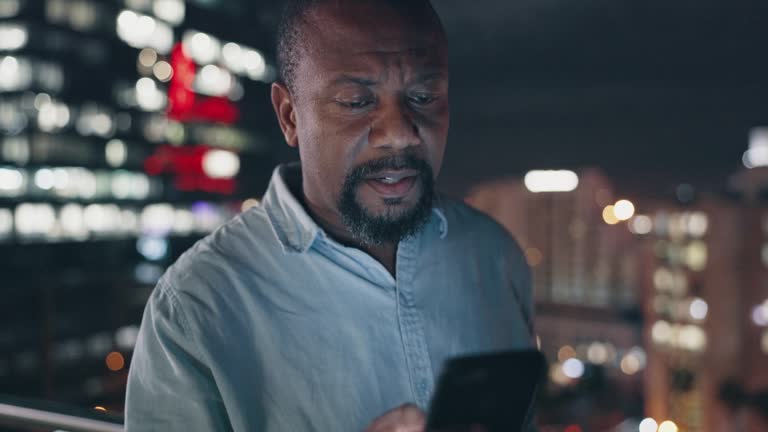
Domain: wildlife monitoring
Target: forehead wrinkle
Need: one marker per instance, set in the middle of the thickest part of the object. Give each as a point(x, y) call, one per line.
point(425, 66)
point(378, 67)
point(370, 53)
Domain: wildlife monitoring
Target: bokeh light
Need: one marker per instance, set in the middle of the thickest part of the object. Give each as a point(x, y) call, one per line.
point(623, 210)
point(668, 426)
point(573, 368)
point(630, 364)
point(648, 425)
point(565, 352)
point(609, 216)
point(698, 309)
point(115, 361)
point(551, 181)
point(533, 256)
point(641, 224)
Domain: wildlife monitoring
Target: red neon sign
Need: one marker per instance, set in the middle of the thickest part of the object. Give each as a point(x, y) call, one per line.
point(184, 105)
point(186, 165)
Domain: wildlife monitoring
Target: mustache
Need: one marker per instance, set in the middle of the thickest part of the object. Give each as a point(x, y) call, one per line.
point(394, 162)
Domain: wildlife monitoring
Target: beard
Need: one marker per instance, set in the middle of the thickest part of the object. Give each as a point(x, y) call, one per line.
point(395, 223)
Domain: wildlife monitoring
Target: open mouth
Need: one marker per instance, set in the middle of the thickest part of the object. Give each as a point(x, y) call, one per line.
point(393, 183)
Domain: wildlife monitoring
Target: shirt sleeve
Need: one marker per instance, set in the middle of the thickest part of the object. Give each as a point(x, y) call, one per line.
point(170, 386)
point(519, 277)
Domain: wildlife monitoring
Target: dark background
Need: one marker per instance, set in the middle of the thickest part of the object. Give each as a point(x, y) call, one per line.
point(652, 93)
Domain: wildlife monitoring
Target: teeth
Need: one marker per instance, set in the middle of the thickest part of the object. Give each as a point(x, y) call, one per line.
point(389, 180)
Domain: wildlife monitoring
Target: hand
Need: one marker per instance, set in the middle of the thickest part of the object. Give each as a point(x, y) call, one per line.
point(409, 418)
point(472, 428)
point(405, 418)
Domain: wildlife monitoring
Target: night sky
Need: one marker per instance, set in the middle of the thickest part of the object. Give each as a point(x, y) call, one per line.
point(639, 88)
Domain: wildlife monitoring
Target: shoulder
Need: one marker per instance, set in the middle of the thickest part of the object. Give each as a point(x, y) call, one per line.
point(470, 224)
point(473, 230)
point(242, 246)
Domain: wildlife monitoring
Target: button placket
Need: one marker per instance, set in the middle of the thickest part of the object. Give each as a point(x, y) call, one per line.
point(412, 325)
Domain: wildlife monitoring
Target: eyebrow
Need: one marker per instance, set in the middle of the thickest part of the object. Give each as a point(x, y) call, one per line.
point(367, 82)
point(344, 79)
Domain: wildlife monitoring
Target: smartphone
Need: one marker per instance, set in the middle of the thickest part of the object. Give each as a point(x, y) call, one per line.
point(495, 391)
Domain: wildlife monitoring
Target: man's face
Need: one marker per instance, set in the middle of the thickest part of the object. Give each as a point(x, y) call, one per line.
point(371, 116)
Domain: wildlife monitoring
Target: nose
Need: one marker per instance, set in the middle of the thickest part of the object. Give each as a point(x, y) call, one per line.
point(394, 128)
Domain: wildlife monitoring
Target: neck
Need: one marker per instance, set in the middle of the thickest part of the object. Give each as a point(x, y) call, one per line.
point(330, 222)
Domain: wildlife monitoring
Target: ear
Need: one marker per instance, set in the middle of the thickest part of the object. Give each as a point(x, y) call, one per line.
point(286, 115)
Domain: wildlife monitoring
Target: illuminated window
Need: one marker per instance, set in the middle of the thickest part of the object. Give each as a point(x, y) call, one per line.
point(148, 96)
point(203, 48)
point(641, 224)
point(15, 73)
point(35, 220)
point(9, 8)
point(72, 221)
point(143, 31)
point(663, 279)
point(696, 255)
point(13, 182)
point(171, 11)
point(678, 226)
point(213, 81)
point(661, 332)
point(697, 223)
point(13, 36)
point(692, 338)
point(157, 219)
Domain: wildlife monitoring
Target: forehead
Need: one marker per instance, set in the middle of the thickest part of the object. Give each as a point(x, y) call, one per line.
point(363, 36)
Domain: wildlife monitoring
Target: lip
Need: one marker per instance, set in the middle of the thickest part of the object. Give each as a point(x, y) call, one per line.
point(399, 174)
point(393, 190)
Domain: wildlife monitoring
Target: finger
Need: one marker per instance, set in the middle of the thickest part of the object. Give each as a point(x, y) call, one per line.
point(470, 428)
point(405, 418)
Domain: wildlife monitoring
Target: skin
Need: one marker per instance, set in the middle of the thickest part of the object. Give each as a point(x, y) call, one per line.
point(405, 418)
point(371, 82)
point(409, 418)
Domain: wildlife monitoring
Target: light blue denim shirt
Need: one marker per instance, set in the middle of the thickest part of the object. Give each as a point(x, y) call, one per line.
point(268, 324)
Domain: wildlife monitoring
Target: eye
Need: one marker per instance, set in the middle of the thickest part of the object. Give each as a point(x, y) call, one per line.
point(421, 98)
point(355, 103)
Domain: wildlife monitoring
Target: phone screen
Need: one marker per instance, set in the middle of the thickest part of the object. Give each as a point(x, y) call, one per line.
point(495, 391)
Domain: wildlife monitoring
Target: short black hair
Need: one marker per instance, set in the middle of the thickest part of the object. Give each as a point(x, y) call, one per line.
point(288, 38)
point(292, 20)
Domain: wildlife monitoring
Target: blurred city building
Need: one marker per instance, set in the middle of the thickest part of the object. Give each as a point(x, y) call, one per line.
point(588, 287)
point(127, 132)
point(669, 303)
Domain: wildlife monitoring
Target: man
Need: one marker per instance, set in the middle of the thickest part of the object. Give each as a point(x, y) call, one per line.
point(332, 306)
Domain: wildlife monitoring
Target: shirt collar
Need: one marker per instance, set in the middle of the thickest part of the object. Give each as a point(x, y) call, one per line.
point(294, 227)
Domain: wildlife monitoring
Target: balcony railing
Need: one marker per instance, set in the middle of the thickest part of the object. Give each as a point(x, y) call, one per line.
point(32, 415)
